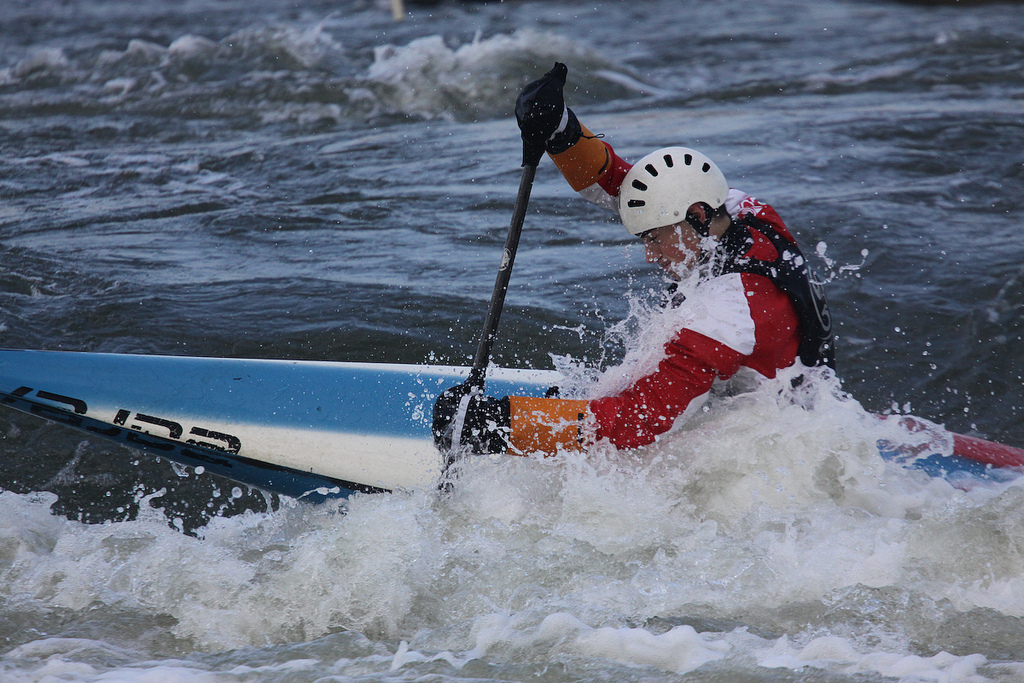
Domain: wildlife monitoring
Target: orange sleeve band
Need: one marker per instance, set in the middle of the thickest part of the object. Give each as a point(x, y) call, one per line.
point(583, 163)
point(542, 425)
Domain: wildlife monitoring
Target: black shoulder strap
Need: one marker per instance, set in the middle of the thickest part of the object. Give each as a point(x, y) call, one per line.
point(790, 273)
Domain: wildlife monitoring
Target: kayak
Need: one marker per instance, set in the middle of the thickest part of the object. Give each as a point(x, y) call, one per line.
point(304, 429)
point(317, 429)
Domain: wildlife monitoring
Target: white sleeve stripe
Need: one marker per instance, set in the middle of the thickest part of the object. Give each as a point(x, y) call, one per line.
point(596, 195)
point(719, 309)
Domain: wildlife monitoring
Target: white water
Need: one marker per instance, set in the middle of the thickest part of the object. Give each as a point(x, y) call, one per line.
point(775, 529)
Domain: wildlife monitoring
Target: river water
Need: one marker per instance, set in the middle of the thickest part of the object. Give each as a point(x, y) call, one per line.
point(311, 179)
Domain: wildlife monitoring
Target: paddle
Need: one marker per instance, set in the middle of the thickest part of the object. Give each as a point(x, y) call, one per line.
point(539, 109)
point(538, 102)
point(451, 407)
point(515, 229)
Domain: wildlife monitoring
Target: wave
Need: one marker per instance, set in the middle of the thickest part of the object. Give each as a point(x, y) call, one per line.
point(304, 75)
point(482, 78)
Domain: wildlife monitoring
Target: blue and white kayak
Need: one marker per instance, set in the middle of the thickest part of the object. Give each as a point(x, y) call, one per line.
point(311, 429)
point(300, 428)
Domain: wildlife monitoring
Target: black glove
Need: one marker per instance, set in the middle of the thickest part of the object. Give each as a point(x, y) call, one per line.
point(539, 110)
point(486, 426)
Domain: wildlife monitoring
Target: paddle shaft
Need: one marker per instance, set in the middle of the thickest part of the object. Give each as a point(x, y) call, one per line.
point(515, 228)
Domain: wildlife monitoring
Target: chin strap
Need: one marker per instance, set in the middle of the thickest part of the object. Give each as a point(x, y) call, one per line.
point(701, 227)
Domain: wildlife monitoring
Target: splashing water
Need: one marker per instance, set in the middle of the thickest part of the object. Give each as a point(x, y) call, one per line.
point(769, 511)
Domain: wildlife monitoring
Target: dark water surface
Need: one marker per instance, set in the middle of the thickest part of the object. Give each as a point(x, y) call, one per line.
point(313, 180)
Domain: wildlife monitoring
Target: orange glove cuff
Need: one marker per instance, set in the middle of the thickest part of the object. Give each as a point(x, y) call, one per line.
point(583, 163)
point(543, 425)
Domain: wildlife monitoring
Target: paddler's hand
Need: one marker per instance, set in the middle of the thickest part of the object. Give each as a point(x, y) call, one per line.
point(544, 120)
point(482, 422)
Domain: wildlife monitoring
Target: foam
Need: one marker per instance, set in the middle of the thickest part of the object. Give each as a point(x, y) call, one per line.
point(839, 655)
point(42, 60)
point(772, 509)
point(679, 650)
point(428, 78)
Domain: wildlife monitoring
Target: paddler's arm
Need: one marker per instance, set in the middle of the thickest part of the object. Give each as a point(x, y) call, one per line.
point(516, 425)
point(630, 419)
point(520, 425)
point(546, 425)
point(589, 164)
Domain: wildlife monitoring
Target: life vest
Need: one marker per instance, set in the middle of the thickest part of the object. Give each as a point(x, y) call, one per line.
point(790, 273)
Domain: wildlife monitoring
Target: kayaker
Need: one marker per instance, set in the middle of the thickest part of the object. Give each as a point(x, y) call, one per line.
point(754, 307)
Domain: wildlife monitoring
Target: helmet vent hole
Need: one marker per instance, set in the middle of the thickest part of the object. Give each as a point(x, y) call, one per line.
point(639, 185)
point(668, 160)
point(650, 169)
point(635, 203)
point(706, 167)
point(687, 159)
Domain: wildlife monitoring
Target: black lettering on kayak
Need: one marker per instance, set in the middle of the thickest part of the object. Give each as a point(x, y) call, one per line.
point(225, 443)
point(76, 403)
point(173, 428)
point(234, 444)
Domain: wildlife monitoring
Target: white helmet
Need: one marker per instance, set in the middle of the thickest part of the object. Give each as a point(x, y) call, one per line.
point(660, 188)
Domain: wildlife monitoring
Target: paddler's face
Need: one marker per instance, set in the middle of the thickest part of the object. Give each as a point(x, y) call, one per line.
point(673, 247)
